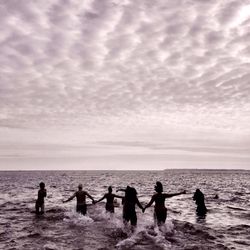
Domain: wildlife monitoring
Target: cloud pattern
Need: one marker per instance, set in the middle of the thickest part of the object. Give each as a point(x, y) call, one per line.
point(65, 62)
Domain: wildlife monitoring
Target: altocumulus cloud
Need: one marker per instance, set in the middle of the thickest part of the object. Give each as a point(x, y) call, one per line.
point(88, 62)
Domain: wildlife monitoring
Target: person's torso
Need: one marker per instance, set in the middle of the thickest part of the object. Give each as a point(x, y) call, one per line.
point(81, 197)
point(110, 198)
point(199, 199)
point(41, 195)
point(129, 205)
point(159, 201)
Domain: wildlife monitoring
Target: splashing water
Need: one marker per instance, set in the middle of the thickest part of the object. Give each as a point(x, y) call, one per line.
point(62, 228)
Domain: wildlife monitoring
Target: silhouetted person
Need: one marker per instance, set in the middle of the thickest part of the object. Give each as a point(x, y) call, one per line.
point(42, 193)
point(160, 211)
point(80, 195)
point(216, 196)
point(110, 200)
point(200, 202)
point(129, 202)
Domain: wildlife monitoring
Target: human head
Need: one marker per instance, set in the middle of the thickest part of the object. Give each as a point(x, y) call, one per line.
point(158, 187)
point(127, 191)
point(42, 185)
point(130, 194)
point(110, 189)
point(133, 191)
point(80, 186)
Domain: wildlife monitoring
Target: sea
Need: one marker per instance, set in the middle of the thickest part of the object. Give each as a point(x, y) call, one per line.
point(226, 225)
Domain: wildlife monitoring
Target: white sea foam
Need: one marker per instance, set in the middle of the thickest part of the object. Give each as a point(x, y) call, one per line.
point(63, 228)
point(77, 219)
point(50, 246)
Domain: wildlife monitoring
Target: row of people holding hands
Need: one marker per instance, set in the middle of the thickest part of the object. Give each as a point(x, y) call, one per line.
point(129, 201)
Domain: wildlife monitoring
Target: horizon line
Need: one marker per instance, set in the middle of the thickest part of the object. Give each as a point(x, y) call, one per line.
point(133, 170)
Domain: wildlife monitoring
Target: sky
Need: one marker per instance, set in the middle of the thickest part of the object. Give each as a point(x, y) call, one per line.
point(124, 84)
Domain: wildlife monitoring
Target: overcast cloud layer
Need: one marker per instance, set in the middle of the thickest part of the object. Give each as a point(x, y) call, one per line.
point(74, 71)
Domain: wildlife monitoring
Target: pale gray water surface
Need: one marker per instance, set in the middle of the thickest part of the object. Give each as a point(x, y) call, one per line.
point(226, 226)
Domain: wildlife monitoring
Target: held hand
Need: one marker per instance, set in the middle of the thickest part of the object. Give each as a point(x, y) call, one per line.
point(94, 202)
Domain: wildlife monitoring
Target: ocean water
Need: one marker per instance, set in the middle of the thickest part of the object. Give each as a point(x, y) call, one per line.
point(226, 226)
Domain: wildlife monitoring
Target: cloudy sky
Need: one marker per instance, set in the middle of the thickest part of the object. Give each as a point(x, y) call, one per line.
point(124, 84)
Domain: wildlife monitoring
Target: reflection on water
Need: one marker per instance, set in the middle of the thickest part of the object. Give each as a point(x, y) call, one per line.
point(201, 219)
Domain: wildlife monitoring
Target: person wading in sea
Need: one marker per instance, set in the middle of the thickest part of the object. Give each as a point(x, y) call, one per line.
point(110, 200)
point(160, 211)
point(201, 209)
point(80, 195)
point(129, 202)
point(42, 193)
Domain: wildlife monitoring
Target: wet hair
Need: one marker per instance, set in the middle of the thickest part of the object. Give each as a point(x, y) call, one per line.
point(133, 191)
point(110, 189)
point(42, 185)
point(127, 191)
point(158, 187)
point(198, 195)
point(130, 194)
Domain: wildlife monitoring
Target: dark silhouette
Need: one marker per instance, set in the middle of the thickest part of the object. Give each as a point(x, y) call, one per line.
point(42, 193)
point(201, 209)
point(129, 202)
point(80, 195)
point(110, 200)
point(216, 196)
point(160, 213)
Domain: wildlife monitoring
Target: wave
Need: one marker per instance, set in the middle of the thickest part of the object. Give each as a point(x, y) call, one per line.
point(240, 227)
point(75, 219)
point(173, 235)
point(50, 246)
point(154, 237)
point(236, 208)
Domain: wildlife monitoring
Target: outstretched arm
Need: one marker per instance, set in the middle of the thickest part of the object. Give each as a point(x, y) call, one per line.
point(118, 196)
point(174, 194)
point(104, 196)
point(70, 198)
point(150, 203)
point(90, 197)
point(139, 204)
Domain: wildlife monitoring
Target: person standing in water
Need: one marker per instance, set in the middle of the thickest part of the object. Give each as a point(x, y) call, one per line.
point(201, 209)
point(129, 202)
point(160, 211)
point(42, 193)
point(80, 195)
point(110, 200)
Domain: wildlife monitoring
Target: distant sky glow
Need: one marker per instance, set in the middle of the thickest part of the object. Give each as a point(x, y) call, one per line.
point(108, 84)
